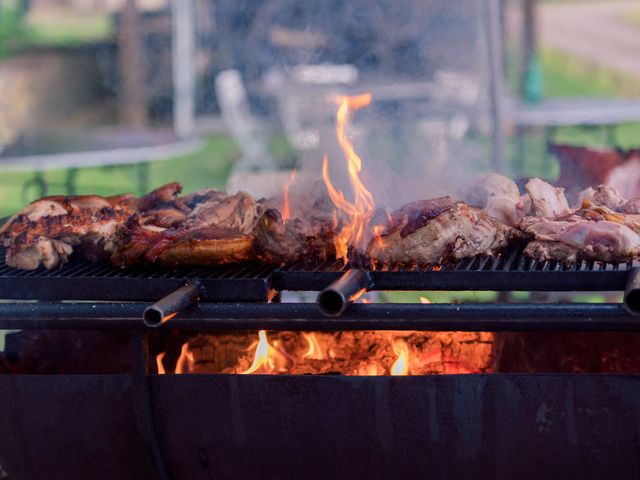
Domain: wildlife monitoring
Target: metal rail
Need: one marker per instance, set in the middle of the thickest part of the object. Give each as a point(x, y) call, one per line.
point(307, 316)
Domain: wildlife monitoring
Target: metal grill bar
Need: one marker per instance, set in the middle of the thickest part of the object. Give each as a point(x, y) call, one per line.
point(307, 316)
point(248, 282)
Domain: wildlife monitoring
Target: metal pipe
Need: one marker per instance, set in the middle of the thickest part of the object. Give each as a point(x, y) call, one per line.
point(337, 297)
point(165, 309)
point(307, 317)
point(632, 292)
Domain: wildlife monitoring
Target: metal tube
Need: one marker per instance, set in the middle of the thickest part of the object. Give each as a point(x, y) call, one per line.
point(307, 317)
point(165, 309)
point(337, 297)
point(632, 292)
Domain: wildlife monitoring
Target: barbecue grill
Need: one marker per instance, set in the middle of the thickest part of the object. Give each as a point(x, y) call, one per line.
point(143, 425)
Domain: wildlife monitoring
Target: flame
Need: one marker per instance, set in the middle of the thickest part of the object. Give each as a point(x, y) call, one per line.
point(370, 369)
point(360, 211)
point(401, 365)
point(377, 235)
point(314, 352)
point(286, 212)
point(424, 299)
point(364, 300)
point(159, 364)
point(267, 359)
point(185, 360)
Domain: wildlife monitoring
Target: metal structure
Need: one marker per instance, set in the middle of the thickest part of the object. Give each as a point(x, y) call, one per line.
point(140, 425)
point(255, 282)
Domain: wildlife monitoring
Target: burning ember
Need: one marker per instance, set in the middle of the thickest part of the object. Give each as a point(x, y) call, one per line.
point(346, 353)
point(357, 214)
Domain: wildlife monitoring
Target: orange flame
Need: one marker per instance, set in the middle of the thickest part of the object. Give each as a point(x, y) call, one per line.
point(159, 364)
point(286, 212)
point(401, 365)
point(185, 360)
point(377, 234)
point(424, 300)
point(266, 359)
point(360, 211)
point(314, 352)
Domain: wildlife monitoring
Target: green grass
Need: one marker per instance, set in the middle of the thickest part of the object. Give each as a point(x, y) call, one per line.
point(68, 29)
point(49, 28)
point(567, 76)
point(208, 167)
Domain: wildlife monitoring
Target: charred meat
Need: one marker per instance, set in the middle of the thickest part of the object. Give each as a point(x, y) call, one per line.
point(49, 230)
point(430, 231)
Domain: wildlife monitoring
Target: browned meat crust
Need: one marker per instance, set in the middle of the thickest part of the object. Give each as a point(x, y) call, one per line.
point(47, 231)
point(139, 243)
point(279, 241)
point(430, 231)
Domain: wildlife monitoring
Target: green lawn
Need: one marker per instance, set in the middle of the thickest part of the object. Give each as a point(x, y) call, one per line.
point(51, 26)
point(567, 76)
point(209, 167)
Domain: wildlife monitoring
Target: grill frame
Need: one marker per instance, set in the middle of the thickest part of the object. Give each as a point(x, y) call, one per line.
point(255, 282)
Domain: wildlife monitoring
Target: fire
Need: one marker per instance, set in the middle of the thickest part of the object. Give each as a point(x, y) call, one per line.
point(159, 364)
point(360, 211)
point(401, 365)
point(424, 300)
point(377, 235)
point(286, 212)
point(185, 360)
point(314, 352)
point(267, 359)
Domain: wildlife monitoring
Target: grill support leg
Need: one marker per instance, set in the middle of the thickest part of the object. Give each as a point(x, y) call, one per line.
point(143, 408)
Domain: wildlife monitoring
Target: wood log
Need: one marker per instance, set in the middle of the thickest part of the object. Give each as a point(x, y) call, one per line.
point(350, 353)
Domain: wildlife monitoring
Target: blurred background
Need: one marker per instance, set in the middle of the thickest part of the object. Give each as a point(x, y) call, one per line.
point(107, 96)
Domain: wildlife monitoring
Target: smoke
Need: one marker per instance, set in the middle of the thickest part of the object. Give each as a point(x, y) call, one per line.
point(424, 62)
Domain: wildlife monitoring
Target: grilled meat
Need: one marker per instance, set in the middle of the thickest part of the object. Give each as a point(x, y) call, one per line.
point(429, 231)
point(291, 240)
point(214, 228)
point(545, 250)
point(603, 240)
point(140, 244)
point(499, 197)
point(603, 196)
point(49, 230)
point(546, 200)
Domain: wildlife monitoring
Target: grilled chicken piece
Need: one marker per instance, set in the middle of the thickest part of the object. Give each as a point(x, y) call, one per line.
point(632, 206)
point(49, 230)
point(499, 197)
point(547, 201)
point(604, 196)
point(140, 244)
point(214, 228)
point(429, 231)
point(548, 250)
point(291, 240)
point(236, 212)
point(582, 238)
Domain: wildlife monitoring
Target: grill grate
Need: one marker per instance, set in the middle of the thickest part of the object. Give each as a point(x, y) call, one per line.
point(252, 282)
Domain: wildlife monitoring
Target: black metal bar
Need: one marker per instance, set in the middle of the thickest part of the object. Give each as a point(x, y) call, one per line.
point(143, 409)
point(307, 317)
point(632, 292)
point(165, 309)
point(337, 297)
